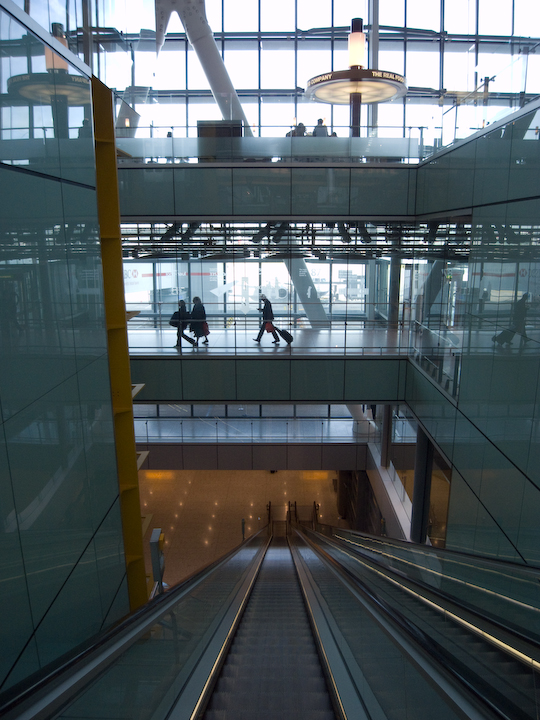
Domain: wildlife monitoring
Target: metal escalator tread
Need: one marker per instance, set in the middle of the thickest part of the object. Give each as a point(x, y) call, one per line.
point(272, 669)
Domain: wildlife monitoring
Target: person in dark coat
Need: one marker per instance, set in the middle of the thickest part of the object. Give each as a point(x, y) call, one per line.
point(267, 316)
point(180, 320)
point(198, 324)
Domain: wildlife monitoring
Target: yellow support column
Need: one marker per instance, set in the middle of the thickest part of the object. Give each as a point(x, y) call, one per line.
point(115, 314)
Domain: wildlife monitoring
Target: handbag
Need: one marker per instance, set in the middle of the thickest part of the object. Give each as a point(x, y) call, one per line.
point(205, 329)
point(269, 327)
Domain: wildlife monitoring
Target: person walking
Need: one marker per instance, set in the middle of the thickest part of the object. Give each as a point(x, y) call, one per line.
point(180, 320)
point(199, 326)
point(267, 317)
point(517, 323)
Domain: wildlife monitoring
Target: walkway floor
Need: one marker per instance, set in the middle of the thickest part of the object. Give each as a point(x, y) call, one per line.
point(233, 340)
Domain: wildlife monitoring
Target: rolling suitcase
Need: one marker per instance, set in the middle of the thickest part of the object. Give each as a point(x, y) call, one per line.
point(286, 335)
point(504, 337)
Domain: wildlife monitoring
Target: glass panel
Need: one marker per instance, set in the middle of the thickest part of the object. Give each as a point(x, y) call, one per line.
point(313, 59)
point(209, 411)
point(460, 17)
point(423, 15)
point(14, 601)
point(277, 65)
point(277, 15)
point(315, 411)
point(277, 411)
point(245, 21)
point(310, 15)
point(249, 411)
point(242, 63)
point(345, 10)
point(163, 655)
point(479, 583)
point(422, 65)
point(175, 410)
point(526, 16)
point(494, 23)
point(373, 651)
point(392, 13)
point(145, 410)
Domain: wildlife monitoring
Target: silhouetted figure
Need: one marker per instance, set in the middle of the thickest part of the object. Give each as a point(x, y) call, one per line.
point(517, 323)
point(180, 320)
point(267, 317)
point(199, 326)
point(320, 130)
point(85, 131)
point(297, 131)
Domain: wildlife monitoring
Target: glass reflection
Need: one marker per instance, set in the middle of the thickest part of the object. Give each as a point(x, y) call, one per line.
point(58, 477)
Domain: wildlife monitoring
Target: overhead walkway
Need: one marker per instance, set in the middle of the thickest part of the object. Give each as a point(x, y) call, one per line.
point(301, 624)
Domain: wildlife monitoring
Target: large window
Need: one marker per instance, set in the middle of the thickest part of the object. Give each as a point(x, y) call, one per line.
point(272, 48)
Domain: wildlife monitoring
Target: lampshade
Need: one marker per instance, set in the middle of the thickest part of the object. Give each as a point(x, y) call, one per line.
point(357, 49)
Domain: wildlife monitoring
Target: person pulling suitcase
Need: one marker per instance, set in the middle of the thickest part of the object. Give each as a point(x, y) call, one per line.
point(517, 324)
point(267, 317)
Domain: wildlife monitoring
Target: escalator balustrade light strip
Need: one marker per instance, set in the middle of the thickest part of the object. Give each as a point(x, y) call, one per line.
point(522, 657)
point(429, 554)
point(437, 573)
point(228, 639)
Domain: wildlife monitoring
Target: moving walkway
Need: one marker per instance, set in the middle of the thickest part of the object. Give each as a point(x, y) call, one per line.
point(297, 623)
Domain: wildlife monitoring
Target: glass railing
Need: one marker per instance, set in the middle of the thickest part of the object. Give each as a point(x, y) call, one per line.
point(472, 631)
point(382, 664)
point(346, 327)
point(151, 145)
point(505, 592)
point(264, 430)
point(146, 679)
point(482, 107)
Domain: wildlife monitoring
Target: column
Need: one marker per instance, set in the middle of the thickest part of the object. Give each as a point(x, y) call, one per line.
point(423, 466)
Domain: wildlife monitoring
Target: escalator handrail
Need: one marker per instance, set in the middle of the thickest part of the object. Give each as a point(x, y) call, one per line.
point(514, 632)
point(347, 698)
point(192, 699)
point(89, 661)
point(442, 552)
point(402, 625)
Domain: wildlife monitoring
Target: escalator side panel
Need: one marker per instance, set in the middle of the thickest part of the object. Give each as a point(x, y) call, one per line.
point(397, 685)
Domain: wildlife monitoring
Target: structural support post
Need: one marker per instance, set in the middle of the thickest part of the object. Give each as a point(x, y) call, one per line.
point(423, 466)
point(116, 322)
point(393, 299)
point(373, 22)
point(356, 105)
point(386, 436)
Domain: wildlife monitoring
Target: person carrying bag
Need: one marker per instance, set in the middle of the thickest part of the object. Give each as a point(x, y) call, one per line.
point(180, 320)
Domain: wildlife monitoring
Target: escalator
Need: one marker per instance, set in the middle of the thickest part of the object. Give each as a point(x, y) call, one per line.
point(273, 652)
point(296, 624)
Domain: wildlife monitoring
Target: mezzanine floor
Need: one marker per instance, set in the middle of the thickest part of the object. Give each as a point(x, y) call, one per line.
point(339, 339)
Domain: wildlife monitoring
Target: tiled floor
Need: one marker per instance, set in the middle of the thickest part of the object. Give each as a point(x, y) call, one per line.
point(201, 512)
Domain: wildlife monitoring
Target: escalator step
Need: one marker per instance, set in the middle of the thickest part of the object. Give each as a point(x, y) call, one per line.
point(272, 671)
